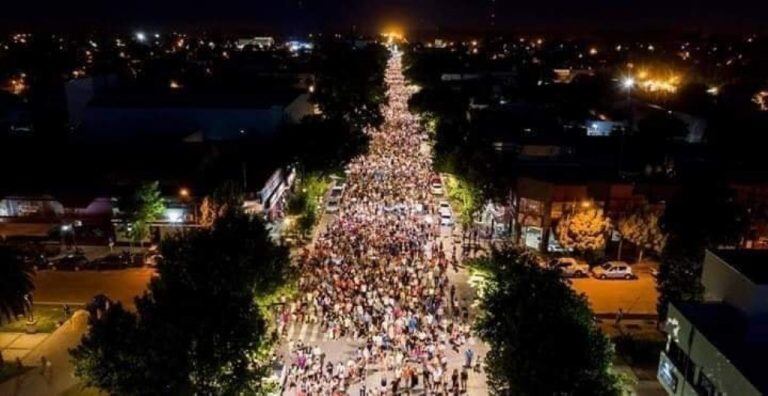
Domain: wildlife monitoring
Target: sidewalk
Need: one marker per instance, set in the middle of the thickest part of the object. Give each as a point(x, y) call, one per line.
point(55, 348)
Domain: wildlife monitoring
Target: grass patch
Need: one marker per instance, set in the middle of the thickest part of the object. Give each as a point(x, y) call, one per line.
point(79, 390)
point(10, 370)
point(48, 317)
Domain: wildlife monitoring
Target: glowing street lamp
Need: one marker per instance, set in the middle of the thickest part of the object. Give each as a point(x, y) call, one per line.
point(141, 36)
point(628, 83)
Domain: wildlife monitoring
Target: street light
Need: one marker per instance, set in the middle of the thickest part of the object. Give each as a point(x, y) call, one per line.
point(184, 192)
point(628, 83)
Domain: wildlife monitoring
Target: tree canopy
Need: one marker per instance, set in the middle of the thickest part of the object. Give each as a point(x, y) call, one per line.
point(704, 215)
point(641, 227)
point(541, 334)
point(583, 229)
point(199, 328)
point(15, 284)
point(142, 207)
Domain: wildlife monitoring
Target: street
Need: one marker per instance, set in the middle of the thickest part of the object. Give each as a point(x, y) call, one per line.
point(637, 296)
point(380, 308)
point(69, 287)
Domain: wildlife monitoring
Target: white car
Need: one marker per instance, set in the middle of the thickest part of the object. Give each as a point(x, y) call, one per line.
point(446, 219)
point(570, 267)
point(613, 270)
point(436, 188)
point(334, 199)
point(444, 207)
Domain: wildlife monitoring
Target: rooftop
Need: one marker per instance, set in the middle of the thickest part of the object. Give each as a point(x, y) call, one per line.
point(726, 328)
point(752, 263)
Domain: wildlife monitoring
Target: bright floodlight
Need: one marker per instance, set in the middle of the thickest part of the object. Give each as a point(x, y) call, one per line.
point(141, 36)
point(628, 83)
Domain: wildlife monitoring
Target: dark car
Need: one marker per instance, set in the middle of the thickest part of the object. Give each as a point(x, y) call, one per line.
point(109, 262)
point(70, 262)
point(37, 262)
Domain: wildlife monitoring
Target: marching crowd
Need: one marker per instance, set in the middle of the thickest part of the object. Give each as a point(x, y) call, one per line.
point(377, 275)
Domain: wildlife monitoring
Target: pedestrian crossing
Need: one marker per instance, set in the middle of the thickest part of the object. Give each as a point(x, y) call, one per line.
point(307, 333)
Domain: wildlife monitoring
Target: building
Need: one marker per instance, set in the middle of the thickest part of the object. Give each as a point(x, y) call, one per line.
point(539, 201)
point(256, 42)
point(718, 346)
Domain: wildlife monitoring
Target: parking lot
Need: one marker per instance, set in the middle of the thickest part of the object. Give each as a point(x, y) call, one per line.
point(636, 296)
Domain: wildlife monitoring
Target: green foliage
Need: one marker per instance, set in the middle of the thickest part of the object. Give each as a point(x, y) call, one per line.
point(304, 202)
point(541, 334)
point(141, 208)
point(15, 284)
point(199, 329)
point(464, 196)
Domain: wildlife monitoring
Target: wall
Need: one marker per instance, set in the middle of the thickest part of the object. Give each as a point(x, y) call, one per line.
point(724, 283)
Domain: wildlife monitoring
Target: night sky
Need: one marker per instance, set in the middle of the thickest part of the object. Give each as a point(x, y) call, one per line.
point(371, 15)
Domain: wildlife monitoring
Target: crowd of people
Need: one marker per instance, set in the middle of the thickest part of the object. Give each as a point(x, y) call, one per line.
point(377, 275)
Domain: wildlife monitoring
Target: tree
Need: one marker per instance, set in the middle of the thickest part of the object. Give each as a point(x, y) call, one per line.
point(583, 229)
point(15, 284)
point(141, 208)
point(541, 334)
point(704, 215)
point(642, 228)
point(199, 328)
point(227, 196)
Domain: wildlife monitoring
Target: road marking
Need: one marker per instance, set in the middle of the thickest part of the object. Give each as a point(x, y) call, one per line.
point(291, 330)
point(313, 334)
point(303, 331)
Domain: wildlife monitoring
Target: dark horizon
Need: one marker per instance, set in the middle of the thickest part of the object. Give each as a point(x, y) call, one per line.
point(305, 16)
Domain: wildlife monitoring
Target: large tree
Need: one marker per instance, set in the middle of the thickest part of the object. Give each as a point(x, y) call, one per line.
point(704, 215)
point(199, 329)
point(641, 227)
point(15, 284)
point(142, 207)
point(542, 338)
point(583, 229)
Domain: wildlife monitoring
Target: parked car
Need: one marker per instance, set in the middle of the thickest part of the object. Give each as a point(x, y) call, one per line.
point(570, 267)
point(334, 199)
point(444, 207)
point(153, 259)
point(613, 270)
point(70, 262)
point(109, 262)
point(436, 187)
point(36, 261)
point(446, 219)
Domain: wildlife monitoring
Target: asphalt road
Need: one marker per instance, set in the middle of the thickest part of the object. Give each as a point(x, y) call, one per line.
point(80, 287)
point(636, 296)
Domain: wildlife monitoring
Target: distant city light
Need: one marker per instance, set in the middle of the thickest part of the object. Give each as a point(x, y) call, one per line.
point(174, 84)
point(141, 36)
